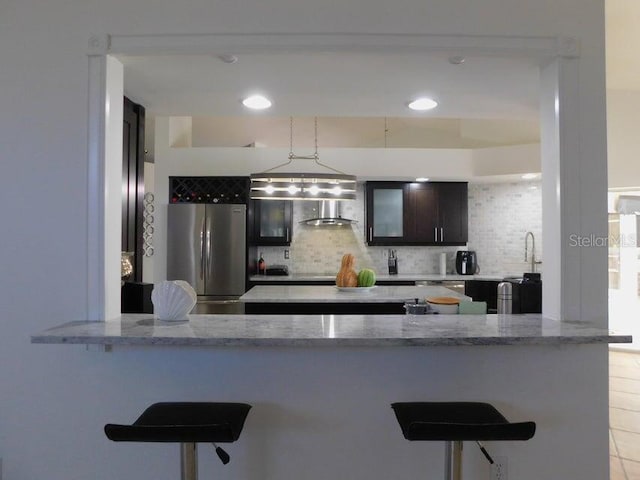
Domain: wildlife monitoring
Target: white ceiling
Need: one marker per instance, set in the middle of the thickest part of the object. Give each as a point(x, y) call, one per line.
point(485, 101)
point(334, 84)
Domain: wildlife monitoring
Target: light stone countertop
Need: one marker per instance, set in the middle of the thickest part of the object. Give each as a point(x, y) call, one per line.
point(330, 331)
point(411, 277)
point(331, 294)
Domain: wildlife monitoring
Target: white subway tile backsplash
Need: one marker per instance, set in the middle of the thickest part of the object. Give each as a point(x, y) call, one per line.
point(499, 217)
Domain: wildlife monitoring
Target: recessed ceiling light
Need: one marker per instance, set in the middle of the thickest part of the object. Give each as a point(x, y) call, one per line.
point(422, 179)
point(457, 60)
point(422, 104)
point(228, 58)
point(529, 176)
point(256, 102)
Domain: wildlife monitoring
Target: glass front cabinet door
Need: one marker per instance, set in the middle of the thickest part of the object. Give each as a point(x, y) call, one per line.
point(272, 222)
point(385, 213)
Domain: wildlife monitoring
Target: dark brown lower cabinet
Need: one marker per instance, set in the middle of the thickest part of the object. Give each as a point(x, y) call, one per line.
point(526, 297)
point(275, 308)
point(136, 297)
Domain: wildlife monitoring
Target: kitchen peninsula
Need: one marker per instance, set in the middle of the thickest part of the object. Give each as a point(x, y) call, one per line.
point(329, 331)
point(324, 384)
point(329, 299)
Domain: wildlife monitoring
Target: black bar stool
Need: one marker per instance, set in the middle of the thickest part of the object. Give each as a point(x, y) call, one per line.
point(455, 422)
point(186, 423)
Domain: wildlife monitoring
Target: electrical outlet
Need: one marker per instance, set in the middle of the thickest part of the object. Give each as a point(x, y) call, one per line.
point(499, 468)
point(286, 257)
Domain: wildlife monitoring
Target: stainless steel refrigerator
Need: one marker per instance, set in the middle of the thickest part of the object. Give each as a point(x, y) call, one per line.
point(206, 246)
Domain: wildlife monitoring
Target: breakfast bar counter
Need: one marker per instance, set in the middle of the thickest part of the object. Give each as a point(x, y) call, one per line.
point(321, 386)
point(330, 331)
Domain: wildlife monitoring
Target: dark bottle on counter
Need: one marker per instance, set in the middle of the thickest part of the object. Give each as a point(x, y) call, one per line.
point(393, 262)
point(262, 266)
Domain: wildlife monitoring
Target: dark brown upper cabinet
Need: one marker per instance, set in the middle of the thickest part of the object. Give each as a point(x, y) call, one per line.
point(403, 213)
point(271, 222)
point(453, 216)
point(386, 203)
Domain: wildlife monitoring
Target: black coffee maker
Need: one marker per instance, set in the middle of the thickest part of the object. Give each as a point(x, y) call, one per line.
point(466, 262)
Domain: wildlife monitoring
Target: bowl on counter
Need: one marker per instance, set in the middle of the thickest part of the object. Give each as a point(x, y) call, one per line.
point(444, 305)
point(414, 308)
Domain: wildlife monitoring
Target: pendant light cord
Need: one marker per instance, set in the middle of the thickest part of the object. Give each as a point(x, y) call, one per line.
point(385, 132)
point(315, 157)
point(291, 137)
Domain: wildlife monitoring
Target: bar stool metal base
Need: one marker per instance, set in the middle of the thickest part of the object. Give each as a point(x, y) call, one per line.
point(455, 422)
point(453, 460)
point(189, 461)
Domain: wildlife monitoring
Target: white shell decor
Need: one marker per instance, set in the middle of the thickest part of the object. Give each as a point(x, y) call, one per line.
point(173, 300)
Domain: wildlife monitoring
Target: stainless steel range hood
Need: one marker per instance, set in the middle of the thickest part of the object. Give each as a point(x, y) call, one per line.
point(328, 214)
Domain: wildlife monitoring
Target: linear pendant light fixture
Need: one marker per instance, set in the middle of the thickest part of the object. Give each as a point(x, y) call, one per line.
point(335, 185)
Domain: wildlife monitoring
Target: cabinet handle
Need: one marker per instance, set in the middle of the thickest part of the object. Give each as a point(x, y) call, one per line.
point(287, 230)
point(435, 232)
point(441, 234)
point(370, 234)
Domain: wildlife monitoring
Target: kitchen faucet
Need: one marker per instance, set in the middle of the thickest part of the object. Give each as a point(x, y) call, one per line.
point(533, 250)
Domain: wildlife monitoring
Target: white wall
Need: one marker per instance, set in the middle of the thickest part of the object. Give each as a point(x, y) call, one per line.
point(623, 115)
point(516, 159)
point(55, 399)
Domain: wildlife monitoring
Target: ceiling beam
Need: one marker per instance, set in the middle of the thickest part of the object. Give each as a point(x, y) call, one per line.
point(213, 44)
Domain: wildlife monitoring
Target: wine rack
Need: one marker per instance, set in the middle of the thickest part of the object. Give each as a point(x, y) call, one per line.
point(209, 190)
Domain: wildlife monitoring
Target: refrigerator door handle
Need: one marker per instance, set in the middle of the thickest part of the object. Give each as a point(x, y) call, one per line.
point(202, 247)
point(208, 245)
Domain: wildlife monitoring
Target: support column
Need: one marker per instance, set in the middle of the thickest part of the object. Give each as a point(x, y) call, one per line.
point(106, 90)
point(574, 196)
